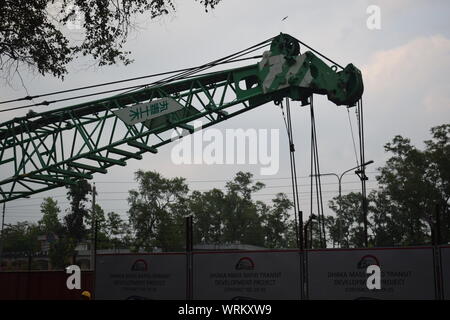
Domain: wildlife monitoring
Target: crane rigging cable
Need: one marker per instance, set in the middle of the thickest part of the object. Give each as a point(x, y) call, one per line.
point(353, 137)
point(181, 75)
point(119, 81)
point(319, 54)
point(315, 173)
point(131, 88)
point(298, 216)
point(226, 59)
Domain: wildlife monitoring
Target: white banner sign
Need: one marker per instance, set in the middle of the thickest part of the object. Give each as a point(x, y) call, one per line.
point(406, 273)
point(146, 111)
point(445, 267)
point(247, 275)
point(141, 277)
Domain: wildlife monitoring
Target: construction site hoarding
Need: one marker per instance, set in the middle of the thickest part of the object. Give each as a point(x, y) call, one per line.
point(141, 277)
point(445, 271)
point(405, 273)
point(247, 275)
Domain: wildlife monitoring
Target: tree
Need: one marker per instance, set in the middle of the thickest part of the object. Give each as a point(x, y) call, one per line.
point(60, 251)
point(74, 221)
point(402, 178)
point(34, 33)
point(388, 225)
point(416, 182)
point(103, 241)
point(158, 207)
point(99, 218)
point(49, 222)
point(411, 206)
point(22, 239)
point(347, 229)
point(156, 211)
point(56, 233)
point(276, 222)
point(232, 216)
point(242, 185)
point(241, 219)
point(208, 210)
point(438, 151)
point(116, 229)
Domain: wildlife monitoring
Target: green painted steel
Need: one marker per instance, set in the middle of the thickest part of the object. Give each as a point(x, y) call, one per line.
point(51, 149)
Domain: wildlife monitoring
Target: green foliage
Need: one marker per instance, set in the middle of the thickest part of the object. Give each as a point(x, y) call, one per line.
point(74, 220)
point(21, 237)
point(116, 229)
point(98, 217)
point(156, 211)
point(242, 221)
point(158, 208)
point(416, 182)
point(348, 228)
point(34, 33)
point(49, 222)
point(276, 222)
point(96, 224)
point(388, 227)
point(208, 210)
point(59, 253)
point(411, 206)
point(51, 227)
point(232, 216)
point(243, 185)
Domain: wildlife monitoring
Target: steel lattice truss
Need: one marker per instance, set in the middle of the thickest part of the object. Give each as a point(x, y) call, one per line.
point(44, 151)
point(60, 147)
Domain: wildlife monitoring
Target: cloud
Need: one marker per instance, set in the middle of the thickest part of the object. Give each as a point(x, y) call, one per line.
point(419, 68)
point(406, 91)
point(437, 100)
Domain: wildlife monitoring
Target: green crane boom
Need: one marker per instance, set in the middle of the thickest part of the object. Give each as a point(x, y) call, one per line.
point(47, 150)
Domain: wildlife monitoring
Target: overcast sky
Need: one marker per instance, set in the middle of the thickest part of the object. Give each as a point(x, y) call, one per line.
point(405, 68)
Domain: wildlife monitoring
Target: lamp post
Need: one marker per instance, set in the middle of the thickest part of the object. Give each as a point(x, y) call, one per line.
point(339, 177)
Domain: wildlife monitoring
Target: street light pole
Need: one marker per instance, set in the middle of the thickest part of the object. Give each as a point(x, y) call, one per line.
point(362, 176)
point(340, 193)
point(339, 177)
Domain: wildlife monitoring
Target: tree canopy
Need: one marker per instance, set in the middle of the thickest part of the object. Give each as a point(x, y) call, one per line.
point(156, 211)
point(411, 206)
point(37, 33)
point(159, 205)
